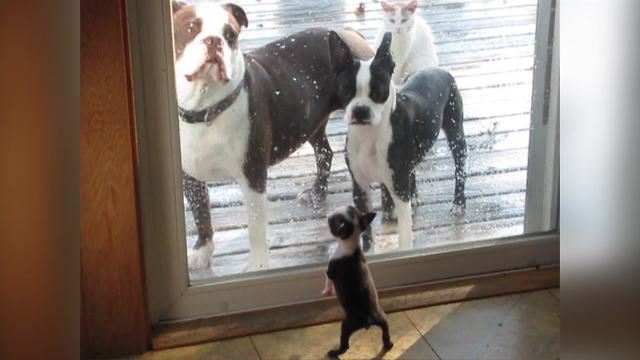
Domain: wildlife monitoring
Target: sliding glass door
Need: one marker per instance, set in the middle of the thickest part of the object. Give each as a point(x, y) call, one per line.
point(501, 55)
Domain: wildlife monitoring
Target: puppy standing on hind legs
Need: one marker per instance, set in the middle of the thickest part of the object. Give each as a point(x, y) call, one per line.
point(349, 278)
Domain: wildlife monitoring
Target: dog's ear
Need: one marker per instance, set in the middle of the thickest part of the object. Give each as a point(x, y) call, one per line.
point(341, 56)
point(366, 219)
point(383, 54)
point(238, 13)
point(384, 50)
point(356, 42)
point(177, 5)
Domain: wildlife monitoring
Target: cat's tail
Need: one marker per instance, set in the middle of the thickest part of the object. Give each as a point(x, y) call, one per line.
point(454, 130)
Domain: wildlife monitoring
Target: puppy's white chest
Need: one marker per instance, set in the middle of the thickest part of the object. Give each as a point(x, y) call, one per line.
point(217, 151)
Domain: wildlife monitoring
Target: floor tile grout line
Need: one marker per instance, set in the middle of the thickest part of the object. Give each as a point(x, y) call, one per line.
point(255, 347)
point(422, 336)
point(550, 291)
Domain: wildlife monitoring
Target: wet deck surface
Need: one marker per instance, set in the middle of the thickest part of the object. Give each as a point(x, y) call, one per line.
point(488, 45)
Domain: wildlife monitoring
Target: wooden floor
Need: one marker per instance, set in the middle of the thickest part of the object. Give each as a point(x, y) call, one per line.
point(488, 45)
point(521, 326)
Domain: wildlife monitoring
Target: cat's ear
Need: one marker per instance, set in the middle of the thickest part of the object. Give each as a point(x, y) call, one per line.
point(412, 6)
point(386, 6)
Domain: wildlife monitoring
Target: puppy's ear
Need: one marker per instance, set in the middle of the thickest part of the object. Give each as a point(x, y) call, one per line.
point(366, 220)
point(383, 55)
point(177, 5)
point(238, 13)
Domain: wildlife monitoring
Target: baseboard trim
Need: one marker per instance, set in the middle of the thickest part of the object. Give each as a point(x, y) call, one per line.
point(192, 332)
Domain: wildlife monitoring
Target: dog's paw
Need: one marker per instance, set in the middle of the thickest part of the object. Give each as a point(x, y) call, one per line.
point(457, 210)
point(199, 258)
point(311, 197)
point(257, 263)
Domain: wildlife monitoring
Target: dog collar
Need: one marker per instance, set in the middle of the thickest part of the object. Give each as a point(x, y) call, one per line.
point(211, 113)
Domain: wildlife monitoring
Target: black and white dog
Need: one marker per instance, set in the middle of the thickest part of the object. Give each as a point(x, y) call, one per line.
point(390, 133)
point(241, 113)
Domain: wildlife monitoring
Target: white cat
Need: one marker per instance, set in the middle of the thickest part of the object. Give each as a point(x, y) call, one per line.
point(411, 41)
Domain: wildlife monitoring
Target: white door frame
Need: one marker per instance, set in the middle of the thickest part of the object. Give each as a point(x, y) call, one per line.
point(160, 194)
point(543, 168)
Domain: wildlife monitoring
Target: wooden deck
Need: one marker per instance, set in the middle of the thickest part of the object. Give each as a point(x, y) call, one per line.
point(488, 45)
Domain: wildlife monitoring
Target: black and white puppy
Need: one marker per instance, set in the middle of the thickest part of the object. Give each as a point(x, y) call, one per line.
point(349, 278)
point(241, 113)
point(390, 132)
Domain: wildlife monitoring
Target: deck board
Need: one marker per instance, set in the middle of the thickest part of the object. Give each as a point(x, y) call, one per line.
point(229, 195)
point(488, 45)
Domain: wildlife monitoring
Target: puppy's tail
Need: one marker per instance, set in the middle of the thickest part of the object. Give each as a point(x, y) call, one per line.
point(453, 127)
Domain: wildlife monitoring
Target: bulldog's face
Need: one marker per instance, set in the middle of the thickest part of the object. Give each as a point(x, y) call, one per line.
point(206, 41)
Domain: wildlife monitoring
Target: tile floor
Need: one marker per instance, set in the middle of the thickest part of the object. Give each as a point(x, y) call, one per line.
point(521, 326)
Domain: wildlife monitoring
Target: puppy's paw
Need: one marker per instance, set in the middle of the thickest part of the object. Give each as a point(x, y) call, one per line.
point(329, 291)
point(311, 197)
point(388, 346)
point(335, 353)
point(457, 210)
point(199, 258)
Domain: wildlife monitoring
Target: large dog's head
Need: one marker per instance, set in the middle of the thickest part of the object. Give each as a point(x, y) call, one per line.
point(365, 87)
point(206, 42)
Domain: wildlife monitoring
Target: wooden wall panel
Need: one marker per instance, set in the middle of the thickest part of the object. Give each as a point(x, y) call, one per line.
point(114, 320)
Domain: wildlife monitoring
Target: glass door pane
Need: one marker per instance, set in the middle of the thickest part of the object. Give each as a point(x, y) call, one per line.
point(488, 46)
